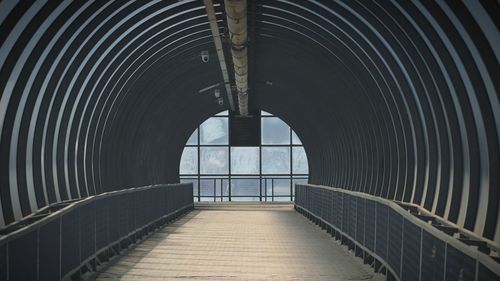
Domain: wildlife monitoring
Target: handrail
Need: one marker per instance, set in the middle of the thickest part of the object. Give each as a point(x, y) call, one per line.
point(76, 203)
point(482, 258)
point(491, 244)
point(79, 237)
point(262, 187)
point(395, 205)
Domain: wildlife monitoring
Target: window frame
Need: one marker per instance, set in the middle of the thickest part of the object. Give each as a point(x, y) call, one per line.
point(264, 179)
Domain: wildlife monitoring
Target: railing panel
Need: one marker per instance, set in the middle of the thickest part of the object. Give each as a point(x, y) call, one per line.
point(411, 251)
point(129, 211)
point(61, 242)
point(123, 227)
point(22, 255)
point(344, 210)
point(87, 230)
point(49, 248)
point(102, 224)
point(433, 254)
point(360, 220)
point(370, 225)
point(399, 236)
point(70, 243)
point(3, 262)
point(353, 213)
point(381, 230)
point(459, 266)
point(485, 274)
point(331, 208)
point(395, 240)
point(114, 217)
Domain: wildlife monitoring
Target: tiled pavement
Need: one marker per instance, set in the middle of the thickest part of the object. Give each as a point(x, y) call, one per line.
point(240, 243)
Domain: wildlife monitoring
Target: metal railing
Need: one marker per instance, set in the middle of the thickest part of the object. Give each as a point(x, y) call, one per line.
point(223, 188)
point(69, 239)
point(403, 244)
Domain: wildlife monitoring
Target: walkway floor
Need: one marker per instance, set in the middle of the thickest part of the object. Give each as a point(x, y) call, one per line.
point(240, 242)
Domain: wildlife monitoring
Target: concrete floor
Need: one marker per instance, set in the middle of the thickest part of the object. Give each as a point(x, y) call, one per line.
point(240, 242)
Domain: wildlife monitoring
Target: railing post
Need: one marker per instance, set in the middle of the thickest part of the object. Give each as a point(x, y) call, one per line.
point(199, 188)
point(265, 188)
point(215, 192)
point(260, 188)
point(272, 189)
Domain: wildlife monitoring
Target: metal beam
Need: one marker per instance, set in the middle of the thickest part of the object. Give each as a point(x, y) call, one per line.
point(236, 11)
point(212, 20)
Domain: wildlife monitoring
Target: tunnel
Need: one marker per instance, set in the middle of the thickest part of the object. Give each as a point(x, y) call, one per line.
point(394, 101)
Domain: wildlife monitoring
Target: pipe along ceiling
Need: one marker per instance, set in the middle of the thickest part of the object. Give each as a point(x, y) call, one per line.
point(398, 99)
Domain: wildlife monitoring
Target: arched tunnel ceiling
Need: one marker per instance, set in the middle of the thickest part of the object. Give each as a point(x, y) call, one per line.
point(394, 98)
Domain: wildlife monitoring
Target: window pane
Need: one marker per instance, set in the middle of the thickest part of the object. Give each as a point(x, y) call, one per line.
point(282, 187)
point(189, 161)
point(275, 131)
point(207, 187)
point(214, 131)
point(295, 138)
point(245, 187)
point(265, 113)
point(276, 160)
point(279, 187)
point(193, 139)
point(299, 161)
point(225, 187)
point(244, 160)
point(214, 160)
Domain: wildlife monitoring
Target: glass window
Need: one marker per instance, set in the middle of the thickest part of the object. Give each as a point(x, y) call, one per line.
point(207, 187)
point(225, 187)
point(245, 160)
point(193, 139)
point(275, 131)
point(214, 131)
point(276, 160)
point(295, 139)
point(221, 184)
point(281, 187)
point(245, 187)
point(299, 161)
point(214, 160)
point(189, 161)
point(272, 168)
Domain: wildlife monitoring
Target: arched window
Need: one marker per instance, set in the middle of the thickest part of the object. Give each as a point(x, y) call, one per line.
point(220, 172)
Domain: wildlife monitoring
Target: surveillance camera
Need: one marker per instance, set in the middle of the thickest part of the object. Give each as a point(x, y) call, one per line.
point(221, 101)
point(205, 57)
